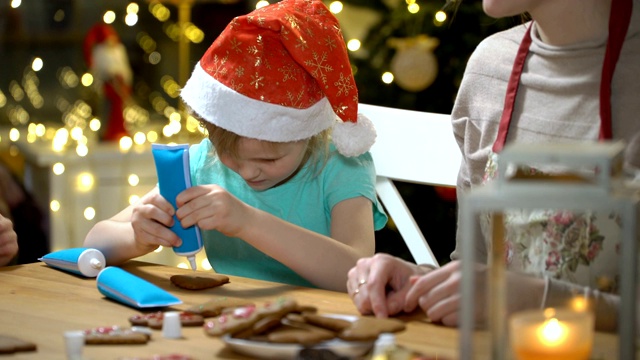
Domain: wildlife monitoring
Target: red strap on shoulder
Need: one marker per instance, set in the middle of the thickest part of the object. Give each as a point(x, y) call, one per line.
point(618, 25)
point(512, 90)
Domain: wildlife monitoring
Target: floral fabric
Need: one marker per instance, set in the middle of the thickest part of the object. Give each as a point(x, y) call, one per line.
point(572, 246)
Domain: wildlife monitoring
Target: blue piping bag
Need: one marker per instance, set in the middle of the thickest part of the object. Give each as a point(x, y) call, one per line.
point(122, 286)
point(172, 167)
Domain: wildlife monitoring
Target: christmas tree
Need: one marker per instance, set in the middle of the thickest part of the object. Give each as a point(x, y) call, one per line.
point(452, 30)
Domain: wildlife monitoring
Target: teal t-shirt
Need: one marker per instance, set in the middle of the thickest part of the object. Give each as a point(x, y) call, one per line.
point(305, 200)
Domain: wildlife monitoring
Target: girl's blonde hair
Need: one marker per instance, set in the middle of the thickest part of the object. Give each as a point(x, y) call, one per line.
point(317, 151)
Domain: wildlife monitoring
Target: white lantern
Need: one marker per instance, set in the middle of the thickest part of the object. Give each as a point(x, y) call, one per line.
point(602, 189)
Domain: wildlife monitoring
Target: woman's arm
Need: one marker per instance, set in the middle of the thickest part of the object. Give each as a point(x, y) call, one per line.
point(604, 305)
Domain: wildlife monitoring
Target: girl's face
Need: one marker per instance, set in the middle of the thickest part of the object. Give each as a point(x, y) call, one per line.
point(264, 165)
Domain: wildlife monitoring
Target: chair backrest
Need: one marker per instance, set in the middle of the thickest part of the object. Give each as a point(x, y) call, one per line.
point(416, 147)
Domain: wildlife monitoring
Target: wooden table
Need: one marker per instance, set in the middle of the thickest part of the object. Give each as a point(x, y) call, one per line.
point(39, 303)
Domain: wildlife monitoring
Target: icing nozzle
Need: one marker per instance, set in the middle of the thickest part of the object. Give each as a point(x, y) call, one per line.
point(96, 263)
point(192, 262)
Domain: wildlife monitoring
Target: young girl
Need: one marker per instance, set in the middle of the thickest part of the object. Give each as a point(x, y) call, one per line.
point(275, 198)
point(569, 75)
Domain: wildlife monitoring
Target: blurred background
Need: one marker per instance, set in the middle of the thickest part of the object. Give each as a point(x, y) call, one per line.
point(55, 109)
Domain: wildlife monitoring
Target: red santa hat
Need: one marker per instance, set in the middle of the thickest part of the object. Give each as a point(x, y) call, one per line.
point(281, 73)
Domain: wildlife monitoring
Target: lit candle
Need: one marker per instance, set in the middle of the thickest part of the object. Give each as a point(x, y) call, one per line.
point(552, 335)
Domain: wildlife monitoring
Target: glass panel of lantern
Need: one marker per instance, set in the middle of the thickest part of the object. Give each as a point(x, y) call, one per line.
point(571, 182)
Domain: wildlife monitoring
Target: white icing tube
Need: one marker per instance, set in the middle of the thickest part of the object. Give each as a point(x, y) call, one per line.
point(87, 262)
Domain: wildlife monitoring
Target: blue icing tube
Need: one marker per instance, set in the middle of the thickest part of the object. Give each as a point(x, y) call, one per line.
point(172, 167)
point(124, 287)
point(80, 261)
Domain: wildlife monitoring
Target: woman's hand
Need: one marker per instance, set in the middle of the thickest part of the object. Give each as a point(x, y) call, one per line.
point(378, 285)
point(8, 241)
point(211, 207)
point(438, 293)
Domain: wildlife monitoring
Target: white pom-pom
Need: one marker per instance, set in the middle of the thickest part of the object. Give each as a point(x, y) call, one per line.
point(353, 139)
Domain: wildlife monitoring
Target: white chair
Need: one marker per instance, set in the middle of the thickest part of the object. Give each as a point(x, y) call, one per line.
point(415, 147)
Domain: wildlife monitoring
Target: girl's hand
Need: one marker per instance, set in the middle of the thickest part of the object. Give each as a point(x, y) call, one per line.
point(213, 208)
point(151, 218)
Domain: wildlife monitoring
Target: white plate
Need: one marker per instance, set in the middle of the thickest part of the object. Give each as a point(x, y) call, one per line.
point(267, 350)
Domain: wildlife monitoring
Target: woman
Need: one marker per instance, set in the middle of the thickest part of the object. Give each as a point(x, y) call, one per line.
point(545, 81)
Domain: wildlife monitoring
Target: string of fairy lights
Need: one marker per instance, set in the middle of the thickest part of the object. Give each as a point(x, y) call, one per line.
point(79, 125)
point(77, 116)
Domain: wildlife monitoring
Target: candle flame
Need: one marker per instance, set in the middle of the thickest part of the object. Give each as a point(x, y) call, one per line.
point(552, 332)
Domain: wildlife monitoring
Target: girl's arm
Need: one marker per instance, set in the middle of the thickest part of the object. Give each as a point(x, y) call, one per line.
point(116, 238)
point(322, 260)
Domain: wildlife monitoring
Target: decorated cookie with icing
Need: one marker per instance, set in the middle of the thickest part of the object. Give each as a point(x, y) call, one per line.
point(245, 317)
point(216, 306)
point(114, 335)
point(154, 320)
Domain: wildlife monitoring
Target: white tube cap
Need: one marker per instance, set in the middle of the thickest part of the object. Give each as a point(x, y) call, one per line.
point(171, 326)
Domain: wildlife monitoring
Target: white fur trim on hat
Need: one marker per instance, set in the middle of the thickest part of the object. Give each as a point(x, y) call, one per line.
point(353, 139)
point(224, 107)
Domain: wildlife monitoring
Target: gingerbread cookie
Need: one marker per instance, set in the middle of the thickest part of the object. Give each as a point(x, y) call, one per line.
point(268, 323)
point(10, 345)
point(160, 357)
point(215, 307)
point(331, 323)
point(368, 328)
point(297, 332)
point(265, 324)
point(154, 320)
point(306, 309)
point(260, 327)
point(362, 329)
point(114, 335)
point(199, 282)
point(245, 317)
